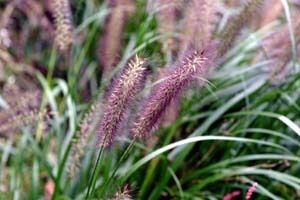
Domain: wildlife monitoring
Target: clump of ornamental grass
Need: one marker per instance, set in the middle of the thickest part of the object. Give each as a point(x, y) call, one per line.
point(198, 24)
point(120, 96)
point(111, 41)
point(63, 24)
point(23, 109)
point(234, 26)
point(195, 64)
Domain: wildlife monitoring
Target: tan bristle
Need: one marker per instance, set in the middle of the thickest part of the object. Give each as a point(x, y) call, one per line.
point(63, 24)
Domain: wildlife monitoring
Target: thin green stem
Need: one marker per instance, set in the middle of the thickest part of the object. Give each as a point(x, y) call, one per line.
point(60, 171)
point(92, 181)
point(51, 66)
point(124, 155)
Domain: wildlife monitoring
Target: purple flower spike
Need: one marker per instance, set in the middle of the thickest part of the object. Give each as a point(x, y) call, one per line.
point(63, 23)
point(111, 42)
point(118, 100)
point(234, 26)
point(199, 23)
point(167, 22)
point(194, 64)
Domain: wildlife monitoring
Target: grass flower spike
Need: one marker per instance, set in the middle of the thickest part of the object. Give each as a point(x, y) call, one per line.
point(63, 22)
point(111, 42)
point(195, 63)
point(199, 22)
point(235, 25)
point(122, 92)
point(167, 22)
point(278, 47)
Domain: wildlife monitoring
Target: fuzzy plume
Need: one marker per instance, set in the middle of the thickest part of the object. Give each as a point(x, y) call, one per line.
point(119, 98)
point(235, 25)
point(110, 43)
point(172, 112)
point(194, 64)
point(199, 24)
point(23, 109)
point(166, 18)
point(279, 48)
point(63, 23)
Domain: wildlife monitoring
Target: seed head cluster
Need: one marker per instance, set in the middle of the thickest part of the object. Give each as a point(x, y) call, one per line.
point(118, 100)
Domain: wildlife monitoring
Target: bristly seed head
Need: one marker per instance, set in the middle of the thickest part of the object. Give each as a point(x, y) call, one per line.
point(199, 24)
point(63, 22)
point(235, 25)
point(195, 63)
point(123, 91)
point(111, 42)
